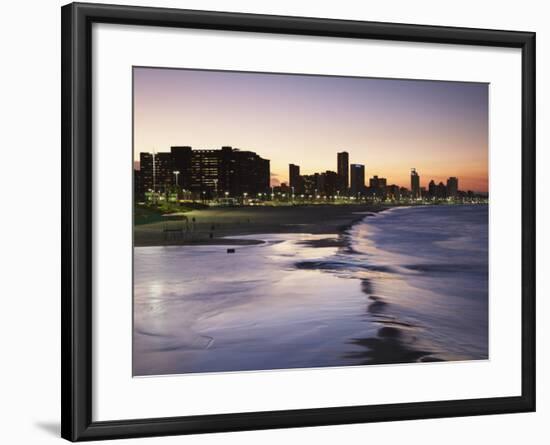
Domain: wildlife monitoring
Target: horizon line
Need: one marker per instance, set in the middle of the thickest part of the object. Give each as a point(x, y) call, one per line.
point(287, 181)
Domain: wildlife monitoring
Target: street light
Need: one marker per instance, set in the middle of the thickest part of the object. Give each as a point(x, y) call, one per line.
point(216, 187)
point(176, 173)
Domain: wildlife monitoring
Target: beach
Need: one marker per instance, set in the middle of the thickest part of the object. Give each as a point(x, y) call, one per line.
point(220, 225)
point(406, 285)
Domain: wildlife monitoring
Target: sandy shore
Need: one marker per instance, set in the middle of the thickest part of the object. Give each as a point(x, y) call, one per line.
point(218, 225)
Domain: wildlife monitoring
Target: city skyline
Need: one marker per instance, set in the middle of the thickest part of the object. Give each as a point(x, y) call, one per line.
point(228, 172)
point(389, 126)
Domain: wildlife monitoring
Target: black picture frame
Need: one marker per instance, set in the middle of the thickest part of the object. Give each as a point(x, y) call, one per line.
point(76, 176)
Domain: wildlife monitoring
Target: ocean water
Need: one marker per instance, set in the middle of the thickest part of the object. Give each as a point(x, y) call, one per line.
point(404, 285)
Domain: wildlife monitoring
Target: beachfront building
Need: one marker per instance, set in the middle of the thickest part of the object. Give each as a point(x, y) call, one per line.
point(156, 173)
point(357, 176)
point(415, 184)
point(248, 173)
point(207, 174)
point(452, 187)
point(377, 187)
point(296, 181)
point(343, 171)
point(182, 158)
point(326, 185)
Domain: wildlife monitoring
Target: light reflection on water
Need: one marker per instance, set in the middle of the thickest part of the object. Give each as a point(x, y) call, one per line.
point(389, 292)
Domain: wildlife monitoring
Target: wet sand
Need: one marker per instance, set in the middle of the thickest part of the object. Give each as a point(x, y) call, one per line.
point(216, 226)
point(332, 298)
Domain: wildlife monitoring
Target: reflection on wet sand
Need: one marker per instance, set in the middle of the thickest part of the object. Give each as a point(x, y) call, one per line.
point(392, 289)
point(395, 341)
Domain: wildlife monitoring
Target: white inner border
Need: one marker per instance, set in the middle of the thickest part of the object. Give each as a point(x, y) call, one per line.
point(116, 395)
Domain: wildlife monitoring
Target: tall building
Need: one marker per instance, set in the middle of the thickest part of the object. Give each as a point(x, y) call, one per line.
point(206, 173)
point(415, 184)
point(343, 171)
point(357, 176)
point(181, 157)
point(157, 171)
point(296, 181)
point(452, 187)
point(248, 172)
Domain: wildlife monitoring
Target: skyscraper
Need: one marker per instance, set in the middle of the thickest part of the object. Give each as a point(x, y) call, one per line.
point(343, 171)
point(415, 184)
point(452, 187)
point(357, 175)
point(295, 180)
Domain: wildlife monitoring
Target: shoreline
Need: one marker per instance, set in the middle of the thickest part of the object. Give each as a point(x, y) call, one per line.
point(375, 318)
point(219, 226)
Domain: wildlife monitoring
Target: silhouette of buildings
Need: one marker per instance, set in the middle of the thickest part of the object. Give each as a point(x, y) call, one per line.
point(206, 173)
point(230, 173)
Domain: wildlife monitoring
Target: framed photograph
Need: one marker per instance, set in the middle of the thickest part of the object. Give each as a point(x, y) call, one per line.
point(275, 222)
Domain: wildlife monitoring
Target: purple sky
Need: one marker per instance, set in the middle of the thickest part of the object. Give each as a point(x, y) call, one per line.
point(440, 128)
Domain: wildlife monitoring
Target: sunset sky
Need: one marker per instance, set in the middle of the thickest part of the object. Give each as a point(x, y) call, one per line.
point(390, 126)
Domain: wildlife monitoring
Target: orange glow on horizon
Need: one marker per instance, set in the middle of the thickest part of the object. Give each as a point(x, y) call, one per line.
point(390, 126)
